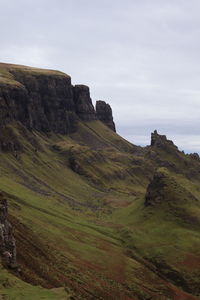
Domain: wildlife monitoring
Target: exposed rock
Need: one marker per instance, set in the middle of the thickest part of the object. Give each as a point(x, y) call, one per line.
point(41, 111)
point(7, 241)
point(43, 102)
point(104, 114)
point(194, 156)
point(161, 141)
point(46, 101)
point(83, 103)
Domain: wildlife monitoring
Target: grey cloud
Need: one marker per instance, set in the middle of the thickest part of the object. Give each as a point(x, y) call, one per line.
point(141, 56)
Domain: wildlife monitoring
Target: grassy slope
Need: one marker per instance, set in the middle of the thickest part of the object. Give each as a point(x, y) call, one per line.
point(66, 219)
point(167, 233)
point(77, 206)
point(39, 187)
point(13, 288)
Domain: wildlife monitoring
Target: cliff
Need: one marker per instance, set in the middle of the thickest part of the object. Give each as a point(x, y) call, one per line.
point(104, 114)
point(45, 100)
point(83, 103)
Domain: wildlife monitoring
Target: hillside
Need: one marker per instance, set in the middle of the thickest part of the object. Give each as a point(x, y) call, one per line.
point(93, 216)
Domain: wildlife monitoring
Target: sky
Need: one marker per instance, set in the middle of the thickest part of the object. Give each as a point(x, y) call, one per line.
point(140, 56)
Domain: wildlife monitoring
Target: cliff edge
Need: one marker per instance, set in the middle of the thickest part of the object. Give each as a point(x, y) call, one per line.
point(46, 100)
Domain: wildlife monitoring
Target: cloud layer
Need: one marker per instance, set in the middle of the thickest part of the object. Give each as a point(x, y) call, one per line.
point(141, 56)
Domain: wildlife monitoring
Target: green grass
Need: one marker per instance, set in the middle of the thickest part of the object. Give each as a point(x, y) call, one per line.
point(6, 73)
point(167, 233)
point(91, 230)
point(12, 288)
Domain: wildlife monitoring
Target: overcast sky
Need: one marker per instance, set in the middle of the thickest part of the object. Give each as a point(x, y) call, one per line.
point(141, 56)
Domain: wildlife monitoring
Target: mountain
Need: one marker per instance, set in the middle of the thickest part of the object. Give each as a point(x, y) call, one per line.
point(84, 214)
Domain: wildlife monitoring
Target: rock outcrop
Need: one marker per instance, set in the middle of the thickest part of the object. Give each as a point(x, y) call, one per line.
point(194, 156)
point(7, 241)
point(104, 114)
point(161, 141)
point(83, 103)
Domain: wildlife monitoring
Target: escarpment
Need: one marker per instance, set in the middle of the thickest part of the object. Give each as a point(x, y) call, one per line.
point(7, 241)
point(40, 101)
point(104, 114)
point(45, 100)
point(48, 102)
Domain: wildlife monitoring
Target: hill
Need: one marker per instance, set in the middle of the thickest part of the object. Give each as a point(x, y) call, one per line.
point(88, 214)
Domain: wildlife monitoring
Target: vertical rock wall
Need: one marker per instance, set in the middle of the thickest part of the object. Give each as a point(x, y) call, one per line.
point(45, 101)
point(83, 103)
point(104, 114)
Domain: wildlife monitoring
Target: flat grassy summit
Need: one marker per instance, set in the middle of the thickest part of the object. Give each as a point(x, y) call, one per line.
point(7, 70)
point(89, 214)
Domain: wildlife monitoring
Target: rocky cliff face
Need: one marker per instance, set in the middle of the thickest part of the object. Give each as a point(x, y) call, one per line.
point(83, 103)
point(46, 100)
point(41, 102)
point(7, 241)
point(104, 114)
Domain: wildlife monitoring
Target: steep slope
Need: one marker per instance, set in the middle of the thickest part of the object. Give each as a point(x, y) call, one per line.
point(76, 198)
point(163, 227)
